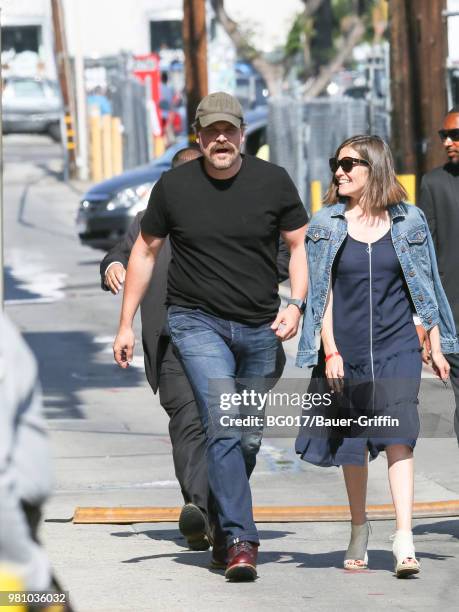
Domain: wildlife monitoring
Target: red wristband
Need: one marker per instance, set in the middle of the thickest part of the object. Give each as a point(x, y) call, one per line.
point(331, 355)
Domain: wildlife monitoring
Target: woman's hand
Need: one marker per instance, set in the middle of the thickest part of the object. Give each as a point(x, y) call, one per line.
point(424, 343)
point(440, 366)
point(334, 371)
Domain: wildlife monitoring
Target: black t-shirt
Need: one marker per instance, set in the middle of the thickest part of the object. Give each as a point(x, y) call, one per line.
point(224, 236)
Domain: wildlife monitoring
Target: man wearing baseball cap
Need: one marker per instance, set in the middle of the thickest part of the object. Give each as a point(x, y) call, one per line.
point(223, 302)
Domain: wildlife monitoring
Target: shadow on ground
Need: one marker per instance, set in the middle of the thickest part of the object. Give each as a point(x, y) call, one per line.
point(23, 210)
point(450, 527)
point(69, 362)
point(380, 560)
point(174, 535)
point(15, 290)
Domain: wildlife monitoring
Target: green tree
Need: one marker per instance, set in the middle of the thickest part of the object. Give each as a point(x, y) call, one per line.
point(323, 35)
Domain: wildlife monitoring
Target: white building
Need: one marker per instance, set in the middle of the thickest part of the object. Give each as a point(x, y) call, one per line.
point(104, 27)
point(142, 26)
point(27, 36)
point(453, 53)
point(453, 33)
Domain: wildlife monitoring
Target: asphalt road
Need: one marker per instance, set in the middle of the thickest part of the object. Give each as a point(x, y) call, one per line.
point(111, 447)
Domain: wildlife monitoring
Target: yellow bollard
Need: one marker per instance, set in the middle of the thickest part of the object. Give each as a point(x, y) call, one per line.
point(117, 146)
point(316, 196)
point(409, 182)
point(69, 132)
point(107, 146)
point(96, 147)
point(10, 583)
point(159, 145)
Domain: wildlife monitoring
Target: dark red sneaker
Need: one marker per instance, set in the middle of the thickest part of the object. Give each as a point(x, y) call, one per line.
point(242, 564)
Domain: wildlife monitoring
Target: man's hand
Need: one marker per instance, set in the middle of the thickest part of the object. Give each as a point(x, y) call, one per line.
point(425, 344)
point(114, 277)
point(286, 323)
point(123, 347)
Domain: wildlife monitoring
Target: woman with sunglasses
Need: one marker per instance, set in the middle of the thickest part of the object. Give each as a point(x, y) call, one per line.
point(372, 267)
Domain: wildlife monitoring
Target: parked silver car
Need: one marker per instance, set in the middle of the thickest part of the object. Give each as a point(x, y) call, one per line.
point(32, 106)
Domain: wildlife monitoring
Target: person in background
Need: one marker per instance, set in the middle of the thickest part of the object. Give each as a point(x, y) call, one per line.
point(166, 92)
point(439, 199)
point(99, 99)
point(165, 374)
point(25, 462)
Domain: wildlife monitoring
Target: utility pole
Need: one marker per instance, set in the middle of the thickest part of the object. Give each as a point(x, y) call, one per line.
point(82, 119)
point(418, 83)
point(429, 43)
point(322, 40)
point(65, 80)
point(402, 90)
point(195, 50)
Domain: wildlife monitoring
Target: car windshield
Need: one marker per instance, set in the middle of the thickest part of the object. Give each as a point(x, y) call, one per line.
point(27, 89)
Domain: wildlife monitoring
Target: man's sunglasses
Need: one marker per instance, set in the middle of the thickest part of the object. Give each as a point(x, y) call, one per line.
point(346, 163)
point(453, 134)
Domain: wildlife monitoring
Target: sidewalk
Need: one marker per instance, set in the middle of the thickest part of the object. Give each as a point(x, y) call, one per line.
point(146, 568)
point(111, 448)
point(112, 458)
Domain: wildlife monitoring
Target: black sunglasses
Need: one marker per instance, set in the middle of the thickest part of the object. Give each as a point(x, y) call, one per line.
point(453, 134)
point(346, 163)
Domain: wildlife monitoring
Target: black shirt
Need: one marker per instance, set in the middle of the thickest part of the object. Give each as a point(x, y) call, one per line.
point(224, 236)
point(439, 199)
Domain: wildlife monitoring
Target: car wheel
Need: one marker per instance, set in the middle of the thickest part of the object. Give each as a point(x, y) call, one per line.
point(54, 131)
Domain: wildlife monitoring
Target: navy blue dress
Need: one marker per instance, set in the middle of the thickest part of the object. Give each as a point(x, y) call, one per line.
point(376, 337)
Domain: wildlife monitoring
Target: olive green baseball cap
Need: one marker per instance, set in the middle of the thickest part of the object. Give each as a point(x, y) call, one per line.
point(219, 106)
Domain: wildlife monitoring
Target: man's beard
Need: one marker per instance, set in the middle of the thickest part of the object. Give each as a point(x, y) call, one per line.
point(223, 164)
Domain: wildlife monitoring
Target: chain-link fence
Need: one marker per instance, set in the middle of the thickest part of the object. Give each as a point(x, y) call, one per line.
point(128, 99)
point(129, 103)
point(304, 135)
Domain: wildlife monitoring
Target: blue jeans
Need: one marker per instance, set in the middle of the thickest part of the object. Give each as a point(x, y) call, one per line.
point(225, 356)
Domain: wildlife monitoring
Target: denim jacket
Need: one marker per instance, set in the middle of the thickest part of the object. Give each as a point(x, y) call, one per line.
point(415, 250)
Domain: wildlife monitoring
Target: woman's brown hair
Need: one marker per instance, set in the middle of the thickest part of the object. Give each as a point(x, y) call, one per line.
point(382, 188)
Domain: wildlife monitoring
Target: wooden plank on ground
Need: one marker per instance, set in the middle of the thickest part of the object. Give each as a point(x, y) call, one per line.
point(263, 514)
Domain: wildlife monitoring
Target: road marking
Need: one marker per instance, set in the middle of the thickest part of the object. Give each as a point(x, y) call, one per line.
point(279, 459)
point(103, 339)
point(33, 276)
point(26, 301)
point(161, 484)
